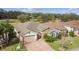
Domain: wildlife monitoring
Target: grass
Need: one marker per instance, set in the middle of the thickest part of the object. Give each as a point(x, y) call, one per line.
point(11, 47)
point(14, 48)
point(75, 43)
point(14, 45)
point(10, 20)
point(55, 45)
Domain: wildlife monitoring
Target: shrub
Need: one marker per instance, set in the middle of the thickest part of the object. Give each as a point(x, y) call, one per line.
point(49, 38)
point(71, 34)
point(59, 36)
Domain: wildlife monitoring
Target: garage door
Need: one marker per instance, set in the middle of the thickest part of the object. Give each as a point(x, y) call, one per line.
point(30, 38)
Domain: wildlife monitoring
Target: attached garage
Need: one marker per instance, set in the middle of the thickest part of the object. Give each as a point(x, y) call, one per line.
point(31, 36)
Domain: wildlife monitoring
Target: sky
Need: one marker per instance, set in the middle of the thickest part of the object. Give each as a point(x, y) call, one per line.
point(45, 10)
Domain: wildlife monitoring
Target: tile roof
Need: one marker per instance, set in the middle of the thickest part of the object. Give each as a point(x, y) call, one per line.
point(36, 27)
point(74, 23)
point(21, 27)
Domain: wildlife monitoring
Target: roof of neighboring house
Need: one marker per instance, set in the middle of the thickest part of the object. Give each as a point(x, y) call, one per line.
point(55, 30)
point(58, 25)
point(49, 25)
point(74, 23)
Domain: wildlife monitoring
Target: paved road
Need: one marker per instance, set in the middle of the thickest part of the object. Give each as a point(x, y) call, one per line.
point(40, 45)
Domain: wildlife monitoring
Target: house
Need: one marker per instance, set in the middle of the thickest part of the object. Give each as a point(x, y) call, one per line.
point(69, 28)
point(32, 30)
point(54, 32)
point(72, 26)
point(23, 31)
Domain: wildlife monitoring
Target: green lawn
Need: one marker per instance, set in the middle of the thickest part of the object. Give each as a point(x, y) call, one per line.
point(14, 48)
point(11, 47)
point(10, 20)
point(75, 43)
point(55, 45)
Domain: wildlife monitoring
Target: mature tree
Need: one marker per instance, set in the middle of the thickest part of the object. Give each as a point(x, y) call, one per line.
point(7, 31)
point(23, 17)
point(9, 14)
point(45, 17)
point(39, 18)
point(68, 17)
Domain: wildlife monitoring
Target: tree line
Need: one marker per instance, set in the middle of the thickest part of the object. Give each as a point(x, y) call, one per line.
point(9, 14)
point(41, 17)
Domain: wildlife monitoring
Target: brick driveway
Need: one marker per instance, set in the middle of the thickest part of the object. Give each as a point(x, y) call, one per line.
point(39, 45)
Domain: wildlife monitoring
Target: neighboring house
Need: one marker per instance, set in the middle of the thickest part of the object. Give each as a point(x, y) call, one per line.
point(54, 32)
point(74, 26)
point(69, 28)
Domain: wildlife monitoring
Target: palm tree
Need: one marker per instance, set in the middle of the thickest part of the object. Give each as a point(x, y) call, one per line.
point(6, 33)
point(1, 36)
point(5, 29)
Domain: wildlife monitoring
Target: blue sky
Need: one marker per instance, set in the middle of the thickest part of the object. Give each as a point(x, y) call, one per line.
point(46, 10)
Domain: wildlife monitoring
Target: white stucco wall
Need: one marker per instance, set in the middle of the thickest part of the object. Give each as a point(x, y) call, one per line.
point(69, 28)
